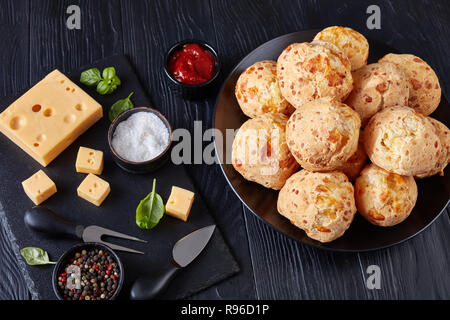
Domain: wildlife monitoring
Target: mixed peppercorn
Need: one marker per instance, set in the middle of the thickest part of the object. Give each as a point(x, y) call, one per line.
point(97, 279)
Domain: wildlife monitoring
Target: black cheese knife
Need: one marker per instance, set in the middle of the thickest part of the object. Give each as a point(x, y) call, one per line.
point(183, 253)
point(43, 220)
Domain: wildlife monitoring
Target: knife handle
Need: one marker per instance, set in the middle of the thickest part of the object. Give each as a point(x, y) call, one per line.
point(42, 219)
point(152, 287)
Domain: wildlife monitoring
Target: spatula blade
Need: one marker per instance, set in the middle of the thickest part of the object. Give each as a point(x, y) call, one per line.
point(189, 247)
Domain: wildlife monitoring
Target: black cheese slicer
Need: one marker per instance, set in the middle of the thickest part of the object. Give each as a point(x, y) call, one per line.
point(42, 219)
point(185, 250)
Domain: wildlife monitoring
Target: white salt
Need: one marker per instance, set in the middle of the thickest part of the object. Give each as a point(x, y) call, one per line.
point(142, 137)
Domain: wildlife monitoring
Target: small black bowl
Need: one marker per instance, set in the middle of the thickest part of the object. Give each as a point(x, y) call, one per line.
point(64, 259)
point(145, 166)
point(192, 91)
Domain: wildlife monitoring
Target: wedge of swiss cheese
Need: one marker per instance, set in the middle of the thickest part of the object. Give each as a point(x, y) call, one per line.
point(49, 117)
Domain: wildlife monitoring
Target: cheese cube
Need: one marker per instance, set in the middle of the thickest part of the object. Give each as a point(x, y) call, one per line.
point(93, 189)
point(89, 161)
point(179, 203)
point(39, 187)
point(49, 117)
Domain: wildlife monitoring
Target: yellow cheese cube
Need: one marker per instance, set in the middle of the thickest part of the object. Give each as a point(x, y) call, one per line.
point(180, 203)
point(89, 161)
point(39, 187)
point(93, 189)
point(49, 117)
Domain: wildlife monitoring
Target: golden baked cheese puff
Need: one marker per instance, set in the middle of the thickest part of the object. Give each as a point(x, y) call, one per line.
point(260, 153)
point(375, 87)
point(257, 90)
point(402, 141)
point(353, 43)
point(354, 165)
point(320, 203)
point(444, 135)
point(323, 134)
point(424, 87)
point(308, 71)
point(384, 198)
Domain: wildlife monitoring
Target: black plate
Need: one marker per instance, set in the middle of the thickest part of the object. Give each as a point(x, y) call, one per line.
point(361, 236)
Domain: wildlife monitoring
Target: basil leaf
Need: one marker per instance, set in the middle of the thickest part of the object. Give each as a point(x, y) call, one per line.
point(158, 211)
point(143, 211)
point(116, 81)
point(120, 106)
point(113, 83)
point(109, 73)
point(35, 256)
point(103, 87)
point(150, 210)
point(111, 89)
point(90, 77)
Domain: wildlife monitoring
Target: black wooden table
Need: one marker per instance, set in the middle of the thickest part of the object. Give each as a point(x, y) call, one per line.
point(35, 39)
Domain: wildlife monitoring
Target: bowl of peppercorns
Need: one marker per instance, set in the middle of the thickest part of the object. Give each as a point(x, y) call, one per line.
point(88, 271)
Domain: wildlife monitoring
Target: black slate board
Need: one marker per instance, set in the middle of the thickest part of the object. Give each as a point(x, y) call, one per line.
point(117, 212)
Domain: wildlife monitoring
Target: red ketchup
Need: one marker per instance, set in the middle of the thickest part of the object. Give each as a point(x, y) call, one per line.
point(192, 64)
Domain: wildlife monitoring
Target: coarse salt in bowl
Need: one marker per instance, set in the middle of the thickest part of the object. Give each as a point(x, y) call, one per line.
point(140, 139)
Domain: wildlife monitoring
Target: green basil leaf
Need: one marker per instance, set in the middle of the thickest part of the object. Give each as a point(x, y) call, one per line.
point(116, 81)
point(120, 106)
point(103, 87)
point(90, 77)
point(109, 73)
point(143, 208)
point(158, 211)
point(35, 256)
point(111, 89)
point(150, 210)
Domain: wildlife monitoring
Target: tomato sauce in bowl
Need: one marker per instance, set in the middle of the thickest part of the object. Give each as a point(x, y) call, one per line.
point(192, 64)
point(192, 68)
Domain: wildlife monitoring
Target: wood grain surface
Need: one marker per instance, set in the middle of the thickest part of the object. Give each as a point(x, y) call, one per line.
point(273, 266)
